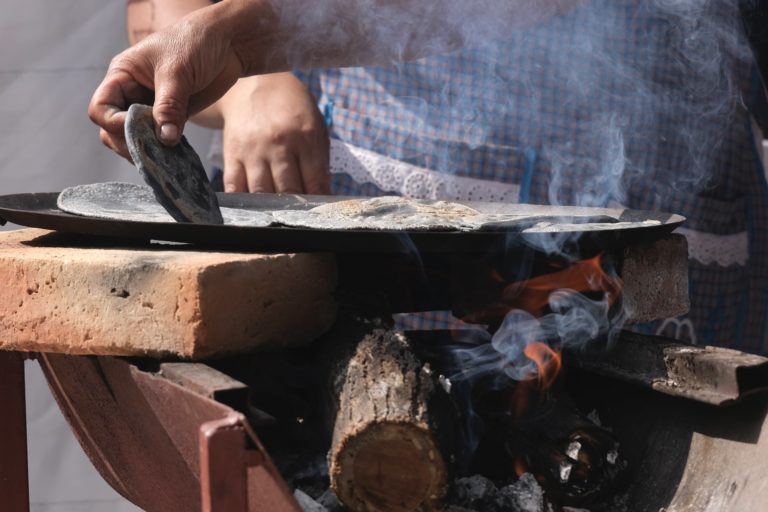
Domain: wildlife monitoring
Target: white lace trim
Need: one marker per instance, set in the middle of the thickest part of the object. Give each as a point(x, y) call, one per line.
point(724, 250)
point(392, 175)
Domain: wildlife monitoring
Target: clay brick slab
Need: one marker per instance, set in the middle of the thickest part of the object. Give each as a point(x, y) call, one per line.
point(656, 279)
point(158, 301)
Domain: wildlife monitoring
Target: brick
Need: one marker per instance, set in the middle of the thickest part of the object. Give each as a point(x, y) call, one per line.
point(158, 301)
point(655, 278)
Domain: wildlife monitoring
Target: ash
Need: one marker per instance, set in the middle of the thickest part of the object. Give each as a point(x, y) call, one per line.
point(326, 502)
point(309, 477)
point(477, 493)
point(470, 494)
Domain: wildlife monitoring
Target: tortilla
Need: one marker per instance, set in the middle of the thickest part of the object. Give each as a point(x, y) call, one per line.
point(176, 174)
point(137, 203)
point(385, 213)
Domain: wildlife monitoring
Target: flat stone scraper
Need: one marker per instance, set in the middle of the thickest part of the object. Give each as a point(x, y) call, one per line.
point(176, 174)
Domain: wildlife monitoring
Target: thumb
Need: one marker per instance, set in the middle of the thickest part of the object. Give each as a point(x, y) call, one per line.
point(170, 108)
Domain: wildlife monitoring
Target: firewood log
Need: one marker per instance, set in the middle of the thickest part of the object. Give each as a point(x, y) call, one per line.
point(393, 428)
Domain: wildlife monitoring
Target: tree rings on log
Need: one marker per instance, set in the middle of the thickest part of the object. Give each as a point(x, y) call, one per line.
point(393, 430)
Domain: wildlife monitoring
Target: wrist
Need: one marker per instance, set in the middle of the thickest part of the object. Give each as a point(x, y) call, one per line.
point(237, 97)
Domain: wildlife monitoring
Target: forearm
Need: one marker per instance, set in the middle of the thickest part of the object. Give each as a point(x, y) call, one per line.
point(145, 17)
point(278, 35)
point(189, 65)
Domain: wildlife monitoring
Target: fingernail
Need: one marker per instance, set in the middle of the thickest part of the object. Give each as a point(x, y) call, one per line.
point(169, 132)
point(229, 188)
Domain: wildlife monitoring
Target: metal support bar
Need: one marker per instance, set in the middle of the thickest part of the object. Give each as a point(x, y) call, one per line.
point(235, 475)
point(713, 375)
point(14, 479)
point(208, 382)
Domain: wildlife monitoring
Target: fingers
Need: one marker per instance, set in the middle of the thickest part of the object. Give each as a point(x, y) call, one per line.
point(116, 144)
point(315, 173)
point(282, 176)
point(171, 104)
point(109, 103)
point(176, 99)
point(234, 178)
point(286, 174)
point(259, 177)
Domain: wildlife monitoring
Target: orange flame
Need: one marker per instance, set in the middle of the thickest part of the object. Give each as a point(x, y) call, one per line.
point(548, 363)
point(520, 466)
point(532, 295)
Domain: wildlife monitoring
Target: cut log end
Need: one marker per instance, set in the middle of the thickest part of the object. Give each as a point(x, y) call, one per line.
point(390, 467)
point(393, 428)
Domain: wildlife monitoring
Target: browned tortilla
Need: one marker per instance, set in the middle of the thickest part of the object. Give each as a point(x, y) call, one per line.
point(385, 213)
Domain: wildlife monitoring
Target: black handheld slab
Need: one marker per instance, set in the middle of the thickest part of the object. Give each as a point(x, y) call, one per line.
point(176, 174)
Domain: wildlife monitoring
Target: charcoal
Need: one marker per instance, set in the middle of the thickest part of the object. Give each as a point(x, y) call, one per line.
point(525, 495)
point(475, 492)
point(176, 174)
point(479, 493)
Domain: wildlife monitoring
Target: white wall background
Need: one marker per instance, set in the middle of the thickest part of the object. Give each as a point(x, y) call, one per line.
point(54, 54)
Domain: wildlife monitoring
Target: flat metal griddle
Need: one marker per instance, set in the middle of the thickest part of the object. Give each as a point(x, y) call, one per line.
point(39, 210)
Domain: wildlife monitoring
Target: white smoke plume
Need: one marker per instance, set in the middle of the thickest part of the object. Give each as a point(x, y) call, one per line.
point(650, 91)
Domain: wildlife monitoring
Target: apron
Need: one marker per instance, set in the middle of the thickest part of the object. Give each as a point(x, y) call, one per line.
point(643, 104)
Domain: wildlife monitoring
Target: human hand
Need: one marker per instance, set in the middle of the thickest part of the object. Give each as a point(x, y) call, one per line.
point(275, 139)
point(179, 70)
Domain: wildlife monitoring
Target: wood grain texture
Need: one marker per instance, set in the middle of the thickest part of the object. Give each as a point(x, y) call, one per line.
point(392, 434)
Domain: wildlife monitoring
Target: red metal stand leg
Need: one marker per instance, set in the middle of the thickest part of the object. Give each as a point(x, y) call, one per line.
point(235, 478)
point(14, 479)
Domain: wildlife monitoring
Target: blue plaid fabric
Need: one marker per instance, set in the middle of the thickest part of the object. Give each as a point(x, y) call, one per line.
point(628, 88)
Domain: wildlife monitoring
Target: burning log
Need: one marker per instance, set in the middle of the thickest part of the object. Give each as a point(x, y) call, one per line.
point(393, 428)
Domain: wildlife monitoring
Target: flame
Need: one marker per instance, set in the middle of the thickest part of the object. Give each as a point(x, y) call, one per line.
point(521, 467)
point(548, 362)
point(532, 295)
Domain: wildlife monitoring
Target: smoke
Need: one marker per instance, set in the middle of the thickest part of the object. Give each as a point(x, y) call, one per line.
point(603, 103)
point(574, 319)
point(595, 103)
point(380, 32)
